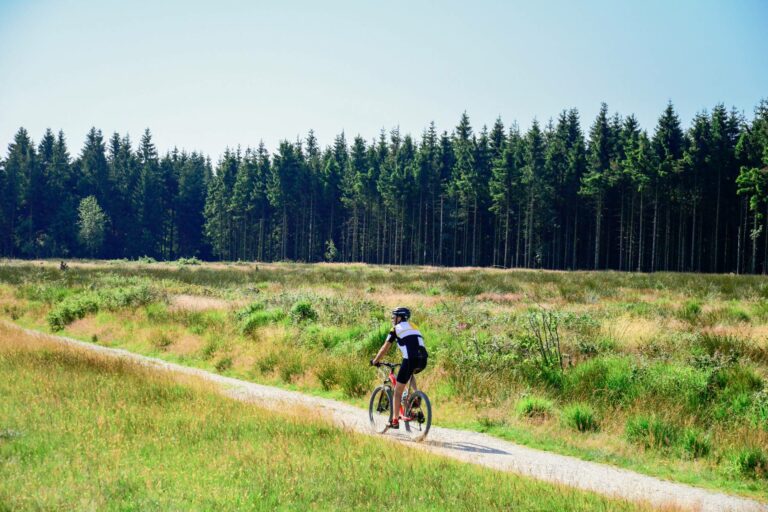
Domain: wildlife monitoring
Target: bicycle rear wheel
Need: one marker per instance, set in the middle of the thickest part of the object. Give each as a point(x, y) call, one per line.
point(420, 411)
point(380, 409)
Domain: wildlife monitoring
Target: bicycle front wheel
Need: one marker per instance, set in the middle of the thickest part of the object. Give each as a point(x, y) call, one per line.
point(380, 409)
point(420, 414)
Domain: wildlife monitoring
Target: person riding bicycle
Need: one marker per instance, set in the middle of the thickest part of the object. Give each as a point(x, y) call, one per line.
point(411, 344)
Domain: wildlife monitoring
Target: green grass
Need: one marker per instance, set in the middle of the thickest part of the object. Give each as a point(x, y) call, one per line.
point(158, 444)
point(691, 346)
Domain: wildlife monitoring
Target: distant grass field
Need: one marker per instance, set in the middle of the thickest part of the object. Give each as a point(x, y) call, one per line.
point(80, 431)
point(663, 373)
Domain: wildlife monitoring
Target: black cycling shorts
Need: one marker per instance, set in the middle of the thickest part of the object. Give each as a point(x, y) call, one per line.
point(410, 367)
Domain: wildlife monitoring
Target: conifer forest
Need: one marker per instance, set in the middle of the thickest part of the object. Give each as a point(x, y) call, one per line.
point(563, 194)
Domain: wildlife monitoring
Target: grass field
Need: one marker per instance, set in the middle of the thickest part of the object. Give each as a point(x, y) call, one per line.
point(83, 432)
point(661, 373)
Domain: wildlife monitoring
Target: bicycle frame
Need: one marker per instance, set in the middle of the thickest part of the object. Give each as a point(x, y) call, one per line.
point(392, 381)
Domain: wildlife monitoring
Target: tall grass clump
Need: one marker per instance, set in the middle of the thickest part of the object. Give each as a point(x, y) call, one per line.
point(752, 462)
point(535, 407)
point(690, 311)
point(610, 378)
point(354, 379)
point(651, 431)
point(695, 443)
point(581, 417)
point(290, 367)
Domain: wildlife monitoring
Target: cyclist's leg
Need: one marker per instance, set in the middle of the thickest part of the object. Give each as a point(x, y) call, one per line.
point(403, 376)
point(397, 399)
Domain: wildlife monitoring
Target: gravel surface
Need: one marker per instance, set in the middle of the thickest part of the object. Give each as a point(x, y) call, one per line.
point(467, 446)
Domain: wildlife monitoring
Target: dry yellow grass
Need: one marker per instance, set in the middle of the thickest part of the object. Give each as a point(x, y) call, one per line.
point(185, 302)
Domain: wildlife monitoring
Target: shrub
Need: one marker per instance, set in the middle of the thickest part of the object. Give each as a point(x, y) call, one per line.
point(696, 443)
point(752, 462)
point(188, 261)
point(223, 364)
point(355, 379)
point(147, 259)
point(535, 407)
point(651, 432)
point(290, 367)
point(260, 318)
point(581, 417)
point(74, 307)
point(302, 311)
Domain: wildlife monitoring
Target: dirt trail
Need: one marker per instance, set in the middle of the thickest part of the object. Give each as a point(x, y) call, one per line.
point(462, 445)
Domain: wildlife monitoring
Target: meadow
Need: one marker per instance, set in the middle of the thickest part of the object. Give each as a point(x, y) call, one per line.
point(86, 432)
point(660, 373)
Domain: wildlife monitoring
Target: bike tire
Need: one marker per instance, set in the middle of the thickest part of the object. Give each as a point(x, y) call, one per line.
point(380, 409)
point(419, 402)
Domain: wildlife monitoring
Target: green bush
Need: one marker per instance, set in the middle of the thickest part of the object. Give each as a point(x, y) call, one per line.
point(355, 379)
point(188, 261)
point(752, 462)
point(302, 311)
point(74, 307)
point(581, 417)
point(535, 407)
point(651, 432)
point(695, 443)
point(259, 319)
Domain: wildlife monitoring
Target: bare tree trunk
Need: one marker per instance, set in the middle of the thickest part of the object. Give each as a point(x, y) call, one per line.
point(640, 240)
point(598, 222)
point(655, 226)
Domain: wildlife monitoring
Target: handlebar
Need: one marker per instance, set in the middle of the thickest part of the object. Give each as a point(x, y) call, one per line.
point(391, 366)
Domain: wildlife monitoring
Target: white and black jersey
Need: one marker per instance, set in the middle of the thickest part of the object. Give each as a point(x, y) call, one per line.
point(409, 340)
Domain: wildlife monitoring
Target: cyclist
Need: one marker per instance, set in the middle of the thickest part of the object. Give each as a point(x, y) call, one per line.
point(411, 344)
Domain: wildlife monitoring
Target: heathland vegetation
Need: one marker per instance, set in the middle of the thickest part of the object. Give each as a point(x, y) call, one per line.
point(663, 373)
point(84, 432)
point(553, 196)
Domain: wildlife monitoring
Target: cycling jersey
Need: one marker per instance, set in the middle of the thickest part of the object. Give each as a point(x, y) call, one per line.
point(409, 340)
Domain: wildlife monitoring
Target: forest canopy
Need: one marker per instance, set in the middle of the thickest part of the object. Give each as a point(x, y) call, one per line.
point(556, 196)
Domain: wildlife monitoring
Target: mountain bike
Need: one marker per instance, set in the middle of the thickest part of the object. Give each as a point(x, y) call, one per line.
point(415, 408)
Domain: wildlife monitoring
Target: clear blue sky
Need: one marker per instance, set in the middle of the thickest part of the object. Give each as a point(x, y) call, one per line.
point(205, 75)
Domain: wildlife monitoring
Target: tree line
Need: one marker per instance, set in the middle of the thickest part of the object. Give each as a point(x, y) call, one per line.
point(615, 197)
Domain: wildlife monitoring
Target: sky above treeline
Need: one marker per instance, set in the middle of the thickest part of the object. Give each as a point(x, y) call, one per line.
point(207, 75)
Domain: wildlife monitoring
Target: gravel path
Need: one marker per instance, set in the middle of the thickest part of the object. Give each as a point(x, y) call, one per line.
point(462, 445)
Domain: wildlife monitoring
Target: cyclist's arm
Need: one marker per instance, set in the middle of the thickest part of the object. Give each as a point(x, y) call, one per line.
point(384, 348)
